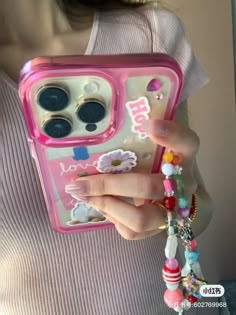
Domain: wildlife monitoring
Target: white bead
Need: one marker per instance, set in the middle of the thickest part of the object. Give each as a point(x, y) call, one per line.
point(172, 286)
point(186, 305)
point(186, 270)
point(171, 246)
point(171, 230)
point(179, 309)
point(167, 169)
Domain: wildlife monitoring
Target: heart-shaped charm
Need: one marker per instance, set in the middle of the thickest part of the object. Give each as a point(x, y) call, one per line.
point(153, 85)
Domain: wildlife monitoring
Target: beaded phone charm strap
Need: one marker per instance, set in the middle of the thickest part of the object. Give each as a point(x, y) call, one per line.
point(179, 219)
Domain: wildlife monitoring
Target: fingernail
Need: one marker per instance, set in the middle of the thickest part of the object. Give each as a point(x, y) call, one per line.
point(80, 199)
point(80, 186)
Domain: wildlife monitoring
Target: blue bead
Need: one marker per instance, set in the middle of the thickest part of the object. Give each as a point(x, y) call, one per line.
point(183, 202)
point(197, 295)
point(191, 256)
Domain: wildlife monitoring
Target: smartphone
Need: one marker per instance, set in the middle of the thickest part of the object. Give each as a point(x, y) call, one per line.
point(84, 116)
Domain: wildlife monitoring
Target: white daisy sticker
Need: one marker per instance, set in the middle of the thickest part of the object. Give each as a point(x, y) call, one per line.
point(117, 161)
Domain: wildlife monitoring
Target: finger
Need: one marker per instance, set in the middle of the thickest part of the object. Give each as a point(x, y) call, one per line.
point(174, 136)
point(146, 186)
point(110, 219)
point(141, 219)
point(128, 234)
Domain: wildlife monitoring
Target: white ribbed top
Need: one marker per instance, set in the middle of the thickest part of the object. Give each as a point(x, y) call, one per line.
point(43, 272)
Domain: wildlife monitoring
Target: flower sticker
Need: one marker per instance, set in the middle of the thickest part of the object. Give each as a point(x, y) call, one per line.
point(117, 161)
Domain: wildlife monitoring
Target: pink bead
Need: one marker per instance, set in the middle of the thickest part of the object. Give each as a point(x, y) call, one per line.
point(168, 185)
point(193, 244)
point(172, 263)
point(173, 298)
point(183, 212)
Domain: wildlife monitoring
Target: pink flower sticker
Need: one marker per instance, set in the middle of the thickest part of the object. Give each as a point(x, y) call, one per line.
point(117, 161)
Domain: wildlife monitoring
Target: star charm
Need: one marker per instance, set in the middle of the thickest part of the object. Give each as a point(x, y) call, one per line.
point(192, 283)
point(178, 170)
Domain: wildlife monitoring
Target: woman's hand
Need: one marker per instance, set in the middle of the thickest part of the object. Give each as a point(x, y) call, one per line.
point(138, 222)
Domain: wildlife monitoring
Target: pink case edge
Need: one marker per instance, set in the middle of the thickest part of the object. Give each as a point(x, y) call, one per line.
point(101, 61)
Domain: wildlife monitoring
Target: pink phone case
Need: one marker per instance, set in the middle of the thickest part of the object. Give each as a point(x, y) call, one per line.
point(84, 116)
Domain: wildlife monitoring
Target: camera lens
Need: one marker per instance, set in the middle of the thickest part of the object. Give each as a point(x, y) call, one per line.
point(57, 127)
point(91, 111)
point(53, 98)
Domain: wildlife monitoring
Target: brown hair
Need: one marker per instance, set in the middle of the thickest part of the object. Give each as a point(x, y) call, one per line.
point(69, 5)
point(72, 8)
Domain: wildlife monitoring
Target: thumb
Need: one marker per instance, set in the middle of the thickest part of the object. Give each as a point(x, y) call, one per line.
point(173, 135)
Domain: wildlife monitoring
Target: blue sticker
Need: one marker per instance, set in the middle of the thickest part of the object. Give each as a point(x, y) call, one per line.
point(80, 153)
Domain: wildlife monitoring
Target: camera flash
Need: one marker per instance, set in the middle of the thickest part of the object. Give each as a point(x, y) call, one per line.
point(91, 87)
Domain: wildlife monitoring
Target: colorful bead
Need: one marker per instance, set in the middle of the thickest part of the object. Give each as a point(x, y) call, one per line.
point(191, 256)
point(171, 246)
point(197, 295)
point(167, 169)
point(171, 286)
point(192, 299)
point(179, 184)
point(171, 276)
point(178, 170)
point(186, 234)
point(169, 194)
point(180, 191)
point(169, 202)
point(179, 309)
point(177, 178)
point(186, 305)
point(183, 212)
point(173, 298)
point(190, 245)
point(168, 157)
point(168, 185)
point(193, 244)
point(172, 263)
point(183, 202)
point(179, 218)
point(176, 160)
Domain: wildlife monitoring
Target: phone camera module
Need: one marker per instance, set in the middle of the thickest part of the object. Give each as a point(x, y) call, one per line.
point(91, 111)
point(53, 98)
point(57, 127)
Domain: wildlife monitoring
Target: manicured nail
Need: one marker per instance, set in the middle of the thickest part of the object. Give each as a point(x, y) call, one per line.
point(80, 199)
point(80, 186)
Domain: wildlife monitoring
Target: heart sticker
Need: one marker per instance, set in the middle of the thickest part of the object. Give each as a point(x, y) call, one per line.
point(153, 85)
